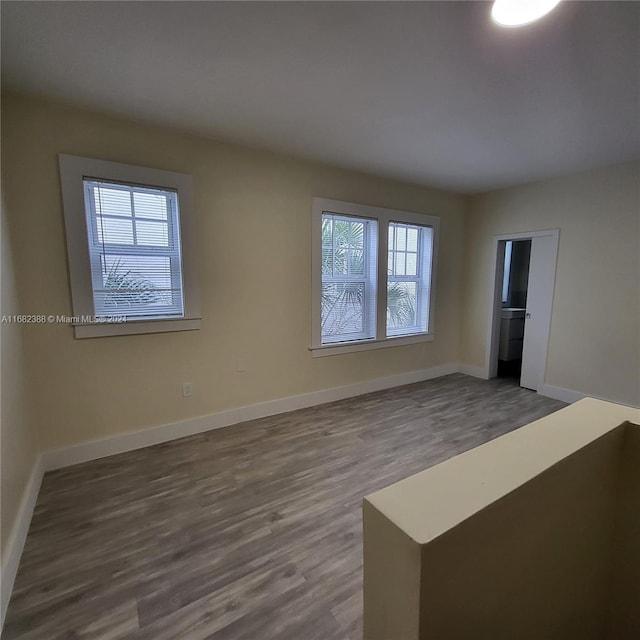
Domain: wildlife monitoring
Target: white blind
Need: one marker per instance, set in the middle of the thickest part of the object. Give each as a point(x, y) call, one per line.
point(134, 246)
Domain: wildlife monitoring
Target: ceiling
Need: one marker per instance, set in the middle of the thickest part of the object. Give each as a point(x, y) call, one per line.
point(428, 92)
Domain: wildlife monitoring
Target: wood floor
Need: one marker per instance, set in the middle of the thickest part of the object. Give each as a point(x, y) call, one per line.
point(252, 532)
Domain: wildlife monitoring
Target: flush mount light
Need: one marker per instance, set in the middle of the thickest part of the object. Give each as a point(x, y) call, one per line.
point(515, 13)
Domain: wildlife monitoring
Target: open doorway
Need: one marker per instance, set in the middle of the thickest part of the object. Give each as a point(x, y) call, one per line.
point(515, 281)
point(522, 299)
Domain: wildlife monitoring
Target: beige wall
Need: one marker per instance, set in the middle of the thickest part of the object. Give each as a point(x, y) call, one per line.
point(17, 442)
point(515, 569)
point(254, 228)
point(623, 612)
point(253, 222)
point(594, 344)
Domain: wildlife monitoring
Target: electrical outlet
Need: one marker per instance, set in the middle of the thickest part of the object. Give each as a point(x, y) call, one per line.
point(187, 389)
point(241, 364)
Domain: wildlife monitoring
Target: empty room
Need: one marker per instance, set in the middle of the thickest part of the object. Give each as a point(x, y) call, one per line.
point(320, 320)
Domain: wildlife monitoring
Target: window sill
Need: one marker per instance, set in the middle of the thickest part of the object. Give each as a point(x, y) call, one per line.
point(136, 327)
point(368, 345)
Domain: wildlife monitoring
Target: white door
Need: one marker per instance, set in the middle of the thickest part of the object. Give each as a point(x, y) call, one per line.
point(542, 275)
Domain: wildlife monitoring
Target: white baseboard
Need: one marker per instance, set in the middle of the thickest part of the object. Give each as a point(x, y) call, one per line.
point(570, 396)
point(472, 370)
point(93, 449)
point(17, 537)
point(558, 393)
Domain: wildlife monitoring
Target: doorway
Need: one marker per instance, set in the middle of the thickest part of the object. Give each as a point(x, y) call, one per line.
point(515, 282)
point(522, 298)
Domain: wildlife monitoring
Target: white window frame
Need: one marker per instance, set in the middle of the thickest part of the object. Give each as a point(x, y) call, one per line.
point(73, 171)
point(383, 217)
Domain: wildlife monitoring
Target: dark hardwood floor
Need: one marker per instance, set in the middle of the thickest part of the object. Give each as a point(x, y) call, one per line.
point(251, 532)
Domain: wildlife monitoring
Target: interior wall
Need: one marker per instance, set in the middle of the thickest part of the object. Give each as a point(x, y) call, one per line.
point(17, 442)
point(515, 568)
point(594, 344)
point(253, 212)
point(623, 619)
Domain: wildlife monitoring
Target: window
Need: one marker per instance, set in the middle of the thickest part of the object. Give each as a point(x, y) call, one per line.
point(134, 248)
point(409, 278)
point(349, 252)
point(130, 248)
point(372, 277)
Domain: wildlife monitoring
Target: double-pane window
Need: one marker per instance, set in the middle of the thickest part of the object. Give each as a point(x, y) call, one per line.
point(373, 275)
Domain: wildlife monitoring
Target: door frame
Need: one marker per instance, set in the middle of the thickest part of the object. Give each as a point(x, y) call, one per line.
point(495, 306)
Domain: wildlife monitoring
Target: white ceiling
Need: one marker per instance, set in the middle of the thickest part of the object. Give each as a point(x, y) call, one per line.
point(430, 92)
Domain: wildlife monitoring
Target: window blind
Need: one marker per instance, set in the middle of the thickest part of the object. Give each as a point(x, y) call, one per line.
point(134, 247)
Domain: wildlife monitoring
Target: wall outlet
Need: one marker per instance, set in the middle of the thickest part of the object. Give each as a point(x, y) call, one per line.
point(187, 389)
point(241, 364)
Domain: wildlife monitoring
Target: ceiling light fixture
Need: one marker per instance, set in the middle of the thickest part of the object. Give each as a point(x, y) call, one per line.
point(515, 13)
